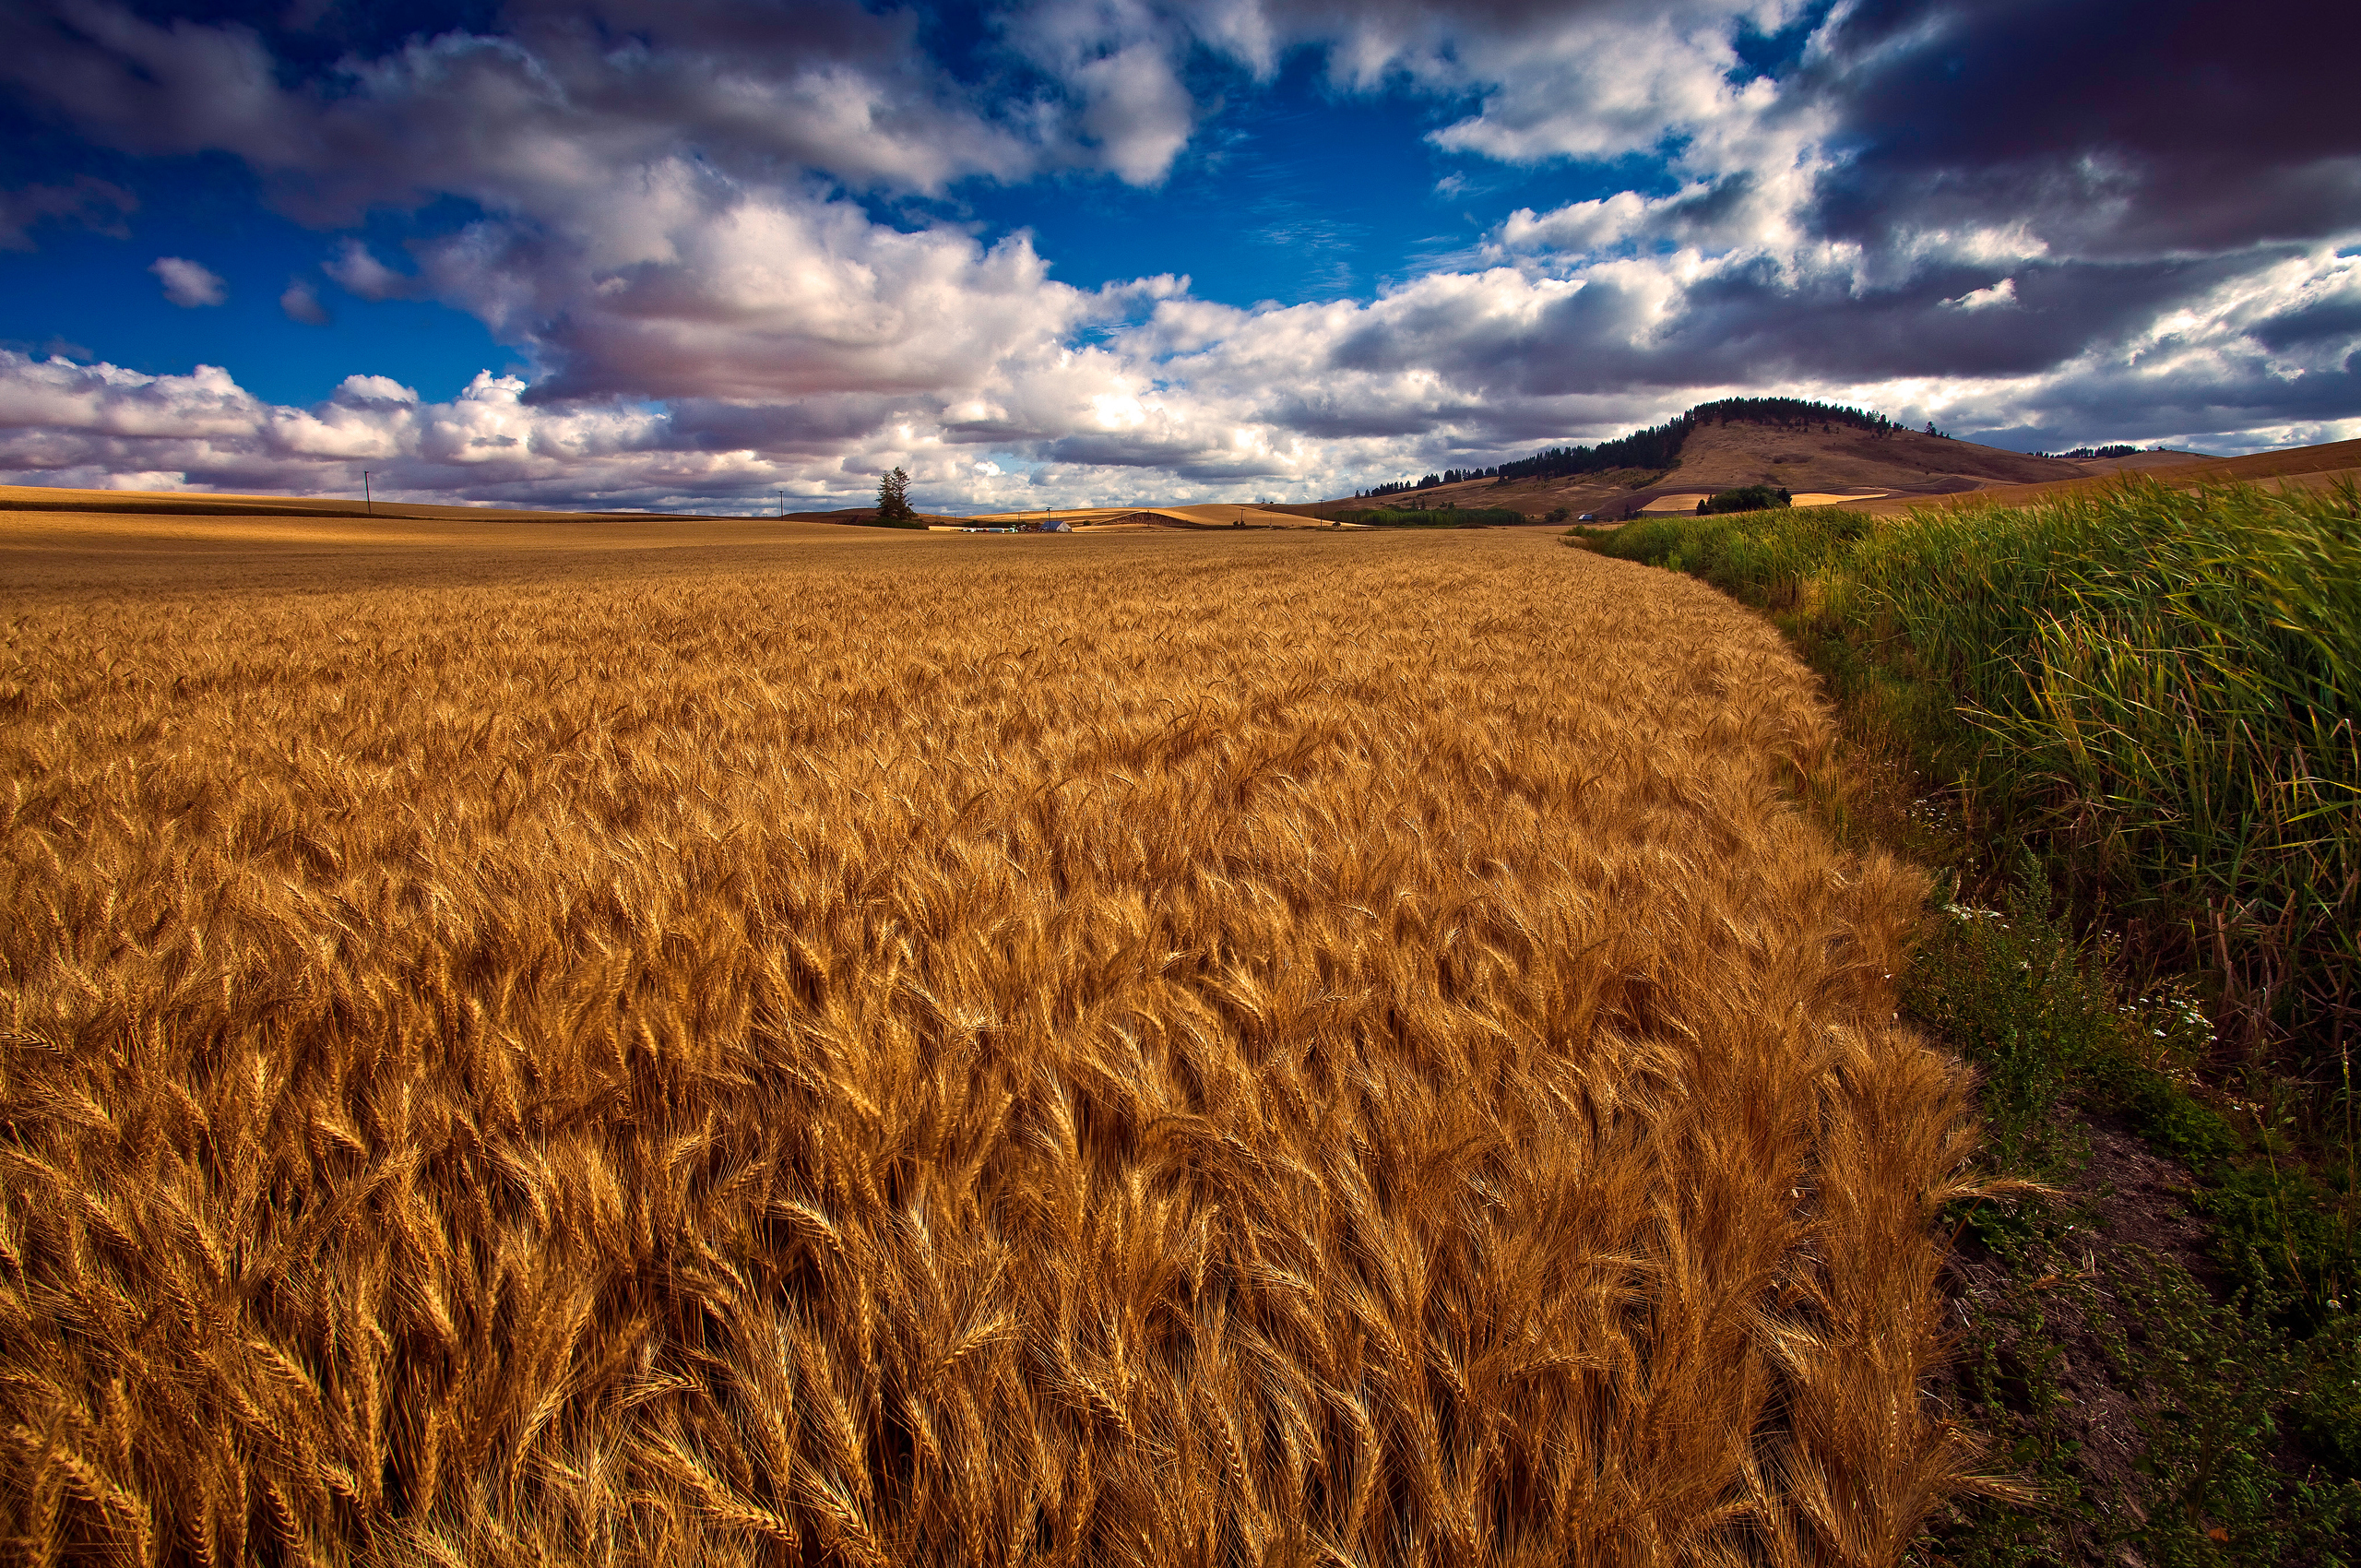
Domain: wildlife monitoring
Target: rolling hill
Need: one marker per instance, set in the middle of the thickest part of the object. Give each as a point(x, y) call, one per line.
point(1827, 460)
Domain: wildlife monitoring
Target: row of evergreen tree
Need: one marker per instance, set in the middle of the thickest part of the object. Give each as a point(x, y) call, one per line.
point(1788, 413)
point(1658, 446)
point(1428, 482)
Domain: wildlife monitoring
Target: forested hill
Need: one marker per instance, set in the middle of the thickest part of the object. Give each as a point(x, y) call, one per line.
point(1658, 446)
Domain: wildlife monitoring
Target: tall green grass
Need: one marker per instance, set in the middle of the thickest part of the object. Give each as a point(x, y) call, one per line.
point(2162, 687)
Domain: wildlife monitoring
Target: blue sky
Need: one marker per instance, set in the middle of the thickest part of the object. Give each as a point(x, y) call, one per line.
point(689, 255)
point(1292, 190)
point(90, 294)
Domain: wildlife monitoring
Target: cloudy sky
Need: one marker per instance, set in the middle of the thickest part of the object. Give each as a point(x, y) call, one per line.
point(697, 254)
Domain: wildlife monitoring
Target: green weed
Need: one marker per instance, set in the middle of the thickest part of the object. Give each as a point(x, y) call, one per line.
point(2162, 688)
point(2246, 1394)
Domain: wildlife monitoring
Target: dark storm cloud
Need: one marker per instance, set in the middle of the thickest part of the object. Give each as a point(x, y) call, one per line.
point(1449, 333)
point(93, 203)
point(2114, 128)
point(1988, 191)
point(1118, 449)
point(997, 431)
point(2330, 320)
point(2053, 311)
point(2209, 412)
point(810, 426)
point(1332, 416)
point(342, 109)
point(560, 94)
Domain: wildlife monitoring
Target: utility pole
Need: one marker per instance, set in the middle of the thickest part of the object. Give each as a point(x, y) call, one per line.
point(782, 504)
point(368, 499)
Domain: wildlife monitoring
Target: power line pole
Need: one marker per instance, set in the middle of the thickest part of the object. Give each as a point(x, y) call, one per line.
point(367, 498)
point(782, 504)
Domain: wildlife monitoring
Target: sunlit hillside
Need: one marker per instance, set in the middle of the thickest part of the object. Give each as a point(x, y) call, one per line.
point(1885, 470)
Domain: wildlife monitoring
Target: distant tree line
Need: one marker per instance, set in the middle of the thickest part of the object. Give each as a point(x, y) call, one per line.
point(1790, 413)
point(1403, 486)
point(1444, 516)
point(2118, 451)
point(1658, 446)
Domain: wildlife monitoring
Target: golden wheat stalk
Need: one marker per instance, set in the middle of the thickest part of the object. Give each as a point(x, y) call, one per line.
point(1255, 1049)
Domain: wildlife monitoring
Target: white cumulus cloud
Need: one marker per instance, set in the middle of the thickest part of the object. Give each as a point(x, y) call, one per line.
point(188, 283)
point(1994, 297)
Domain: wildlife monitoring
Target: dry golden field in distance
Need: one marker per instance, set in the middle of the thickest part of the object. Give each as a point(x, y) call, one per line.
point(105, 552)
point(2320, 467)
point(855, 1047)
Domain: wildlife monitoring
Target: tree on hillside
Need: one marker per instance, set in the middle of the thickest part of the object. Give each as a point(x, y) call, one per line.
point(894, 498)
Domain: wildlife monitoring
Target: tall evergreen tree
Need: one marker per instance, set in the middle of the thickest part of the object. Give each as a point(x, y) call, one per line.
point(894, 498)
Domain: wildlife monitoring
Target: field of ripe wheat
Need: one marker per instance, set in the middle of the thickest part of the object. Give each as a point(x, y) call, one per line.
point(1272, 1050)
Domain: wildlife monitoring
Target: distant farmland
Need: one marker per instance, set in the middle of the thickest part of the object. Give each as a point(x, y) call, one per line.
point(1157, 1049)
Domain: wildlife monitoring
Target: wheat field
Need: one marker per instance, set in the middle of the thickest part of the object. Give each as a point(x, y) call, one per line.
point(1258, 1051)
